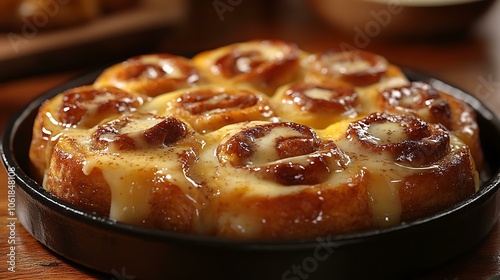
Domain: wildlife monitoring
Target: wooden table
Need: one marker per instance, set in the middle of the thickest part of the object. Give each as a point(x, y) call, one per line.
point(468, 63)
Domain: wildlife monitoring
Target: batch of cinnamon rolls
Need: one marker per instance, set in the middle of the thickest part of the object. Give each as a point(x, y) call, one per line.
point(258, 140)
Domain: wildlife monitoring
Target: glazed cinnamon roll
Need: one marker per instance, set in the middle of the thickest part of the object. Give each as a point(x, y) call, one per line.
point(212, 107)
point(414, 168)
point(151, 75)
point(419, 99)
point(133, 170)
point(280, 180)
point(354, 68)
point(316, 105)
point(422, 100)
point(77, 108)
point(261, 65)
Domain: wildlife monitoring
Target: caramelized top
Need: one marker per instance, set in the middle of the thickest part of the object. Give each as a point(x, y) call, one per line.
point(288, 153)
point(86, 106)
point(151, 74)
point(212, 107)
point(318, 98)
point(419, 99)
point(257, 58)
point(209, 101)
point(355, 67)
point(138, 131)
point(150, 67)
point(410, 140)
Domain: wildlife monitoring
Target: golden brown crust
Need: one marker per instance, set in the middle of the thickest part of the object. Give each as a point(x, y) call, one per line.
point(66, 180)
point(171, 209)
point(464, 125)
point(428, 192)
point(308, 214)
point(417, 167)
point(258, 140)
point(305, 197)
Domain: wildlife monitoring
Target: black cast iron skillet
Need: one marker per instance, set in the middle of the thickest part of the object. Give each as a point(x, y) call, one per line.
point(106, 246)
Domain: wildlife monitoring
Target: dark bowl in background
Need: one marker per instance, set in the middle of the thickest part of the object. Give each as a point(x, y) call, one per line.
point(106, 246)
point(398, 19)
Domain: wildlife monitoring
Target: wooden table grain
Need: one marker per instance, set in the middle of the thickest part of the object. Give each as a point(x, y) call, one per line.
point(471, 64)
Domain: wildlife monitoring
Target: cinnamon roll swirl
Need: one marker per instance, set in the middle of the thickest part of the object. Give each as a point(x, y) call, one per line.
point(151, 74)
point(422, 100)
point(132, 169)
point(414, 168)
point(316, 105)
point(280, 180)
point(77, 108)
point(354, 68)
point(212, 107)
point(262, 65)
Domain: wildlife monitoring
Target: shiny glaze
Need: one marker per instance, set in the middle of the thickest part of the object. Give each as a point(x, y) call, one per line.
point(288, 153)
point(263, 65)
point(226, 159)
point(410, 140)
point(128, 133)
point(316, 105)
point(81, 107)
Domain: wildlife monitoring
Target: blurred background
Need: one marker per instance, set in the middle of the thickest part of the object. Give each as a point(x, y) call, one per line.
point(453, 39)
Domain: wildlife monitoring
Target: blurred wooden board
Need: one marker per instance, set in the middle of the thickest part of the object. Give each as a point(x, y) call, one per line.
point(31, 49)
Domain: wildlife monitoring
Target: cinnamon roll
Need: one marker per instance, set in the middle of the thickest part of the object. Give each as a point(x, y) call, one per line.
point(414, 168)
point(131, 170)
point(422, 100)
point(354, 68)
point(280, 180)
point(77, 108)
point(316, 105)
point(262, 65)
point(151, 75)
point(212, 107)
